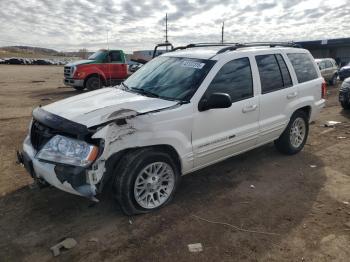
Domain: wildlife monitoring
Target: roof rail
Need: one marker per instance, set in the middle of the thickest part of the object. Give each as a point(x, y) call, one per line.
point(272, 44)
point(234, 46)
point(202, 45)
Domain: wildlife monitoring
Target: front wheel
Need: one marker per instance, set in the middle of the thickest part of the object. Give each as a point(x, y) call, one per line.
point(145, 180)
point(294, 136)
point(93, 83)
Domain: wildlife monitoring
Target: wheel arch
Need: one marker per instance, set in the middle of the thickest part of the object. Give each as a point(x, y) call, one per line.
point(306, 109)
point(113, 161)
point(95, 75)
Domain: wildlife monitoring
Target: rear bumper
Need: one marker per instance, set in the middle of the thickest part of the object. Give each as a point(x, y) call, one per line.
point(317, 109)
point(69, 179)
point(73, 82)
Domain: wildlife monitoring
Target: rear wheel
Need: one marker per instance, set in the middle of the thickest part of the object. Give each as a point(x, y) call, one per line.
point(333, 81)
point(294, 136)
point(93, 83)
point(145, 180)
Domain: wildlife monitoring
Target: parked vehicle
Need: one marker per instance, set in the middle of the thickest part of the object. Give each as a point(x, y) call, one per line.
point(344, 72)
point(103, 68)
point(135, 67)
point(329, 69)
point(180, 112)
point(344, 94)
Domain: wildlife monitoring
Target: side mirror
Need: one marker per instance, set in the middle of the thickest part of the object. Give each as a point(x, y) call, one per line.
point(215, 100)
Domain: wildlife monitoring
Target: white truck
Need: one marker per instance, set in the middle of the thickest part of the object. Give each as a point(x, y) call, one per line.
point(182, 111)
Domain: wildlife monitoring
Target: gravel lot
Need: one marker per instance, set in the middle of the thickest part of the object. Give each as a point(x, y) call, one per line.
point(298, 209)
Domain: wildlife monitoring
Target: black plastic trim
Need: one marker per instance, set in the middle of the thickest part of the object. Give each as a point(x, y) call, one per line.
point(59, 123)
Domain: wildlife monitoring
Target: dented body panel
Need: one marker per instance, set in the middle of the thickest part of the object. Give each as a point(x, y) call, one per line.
point(146, 121)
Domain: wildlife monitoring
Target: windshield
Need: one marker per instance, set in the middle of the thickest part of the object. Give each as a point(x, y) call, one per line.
point(97, 55)
point(172, 78)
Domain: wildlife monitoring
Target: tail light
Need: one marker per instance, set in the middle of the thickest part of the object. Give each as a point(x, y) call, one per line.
point(324, 89)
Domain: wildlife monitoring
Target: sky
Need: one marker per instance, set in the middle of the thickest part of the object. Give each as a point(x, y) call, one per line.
point(69, 25)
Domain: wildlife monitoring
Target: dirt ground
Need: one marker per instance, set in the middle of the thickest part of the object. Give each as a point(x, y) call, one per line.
point(298, 207)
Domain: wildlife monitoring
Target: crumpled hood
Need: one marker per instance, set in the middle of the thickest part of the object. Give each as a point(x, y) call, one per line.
point(96, 107)
point(80, 62)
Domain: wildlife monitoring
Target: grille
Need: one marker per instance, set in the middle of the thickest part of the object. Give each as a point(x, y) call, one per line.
point(40, 135)
point(68, 71)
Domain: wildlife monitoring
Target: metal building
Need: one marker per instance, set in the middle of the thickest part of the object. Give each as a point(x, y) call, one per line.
point(339, 49)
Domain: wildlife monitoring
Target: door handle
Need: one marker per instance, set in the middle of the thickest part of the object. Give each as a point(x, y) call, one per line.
point(292, 95)
point(249, 108)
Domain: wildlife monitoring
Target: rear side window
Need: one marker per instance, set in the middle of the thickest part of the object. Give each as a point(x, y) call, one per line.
point(329, 64)
point(303, 66)
point(235, 79)
point(274, 74)
point(287, 80)
point(115, 56)
point(322, 65)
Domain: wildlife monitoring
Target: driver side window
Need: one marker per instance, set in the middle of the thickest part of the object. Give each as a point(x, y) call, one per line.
point(115, 56)
point(235, 79)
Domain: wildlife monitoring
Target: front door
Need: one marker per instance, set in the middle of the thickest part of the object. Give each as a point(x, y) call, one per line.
point(115, 65)
point(221, 133)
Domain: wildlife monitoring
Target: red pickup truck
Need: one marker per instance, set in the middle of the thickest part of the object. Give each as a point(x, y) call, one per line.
point(103, 68)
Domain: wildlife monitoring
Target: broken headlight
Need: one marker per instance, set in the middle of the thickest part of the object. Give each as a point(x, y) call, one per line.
point(69, 151)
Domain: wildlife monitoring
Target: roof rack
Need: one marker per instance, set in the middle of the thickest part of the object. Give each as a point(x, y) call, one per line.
point(234, 46)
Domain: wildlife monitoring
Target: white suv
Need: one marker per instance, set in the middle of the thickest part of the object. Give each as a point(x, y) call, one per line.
point(180, 112)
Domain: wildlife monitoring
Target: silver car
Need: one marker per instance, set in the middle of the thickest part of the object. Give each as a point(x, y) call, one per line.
point(329, 69)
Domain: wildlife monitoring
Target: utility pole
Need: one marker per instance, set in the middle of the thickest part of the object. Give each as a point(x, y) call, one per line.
point(222, 32)
point(166, 28)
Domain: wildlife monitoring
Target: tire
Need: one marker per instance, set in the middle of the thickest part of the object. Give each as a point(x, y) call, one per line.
point(133, 188)
point(93, 83)
point(345, 105)
point(333, 81)
point(287, 143)
point(79, 88)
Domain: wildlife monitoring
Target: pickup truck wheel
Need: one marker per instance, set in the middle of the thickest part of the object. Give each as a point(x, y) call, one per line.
point(294, 136)
point(345, 105)
point(145, 180)
point(93, 83)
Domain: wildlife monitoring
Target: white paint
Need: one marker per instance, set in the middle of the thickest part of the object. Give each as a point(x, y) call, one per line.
point(199, 138)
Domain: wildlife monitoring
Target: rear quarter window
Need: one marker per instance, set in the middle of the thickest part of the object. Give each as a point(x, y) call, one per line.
point(303, 66)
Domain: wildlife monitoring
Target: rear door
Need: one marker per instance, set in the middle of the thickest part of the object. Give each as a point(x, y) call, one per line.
point(220, 133)
point(330, 69)
point(323, 69)
point(277, 96)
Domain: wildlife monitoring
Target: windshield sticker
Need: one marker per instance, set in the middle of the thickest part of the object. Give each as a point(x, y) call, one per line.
point(192, 64)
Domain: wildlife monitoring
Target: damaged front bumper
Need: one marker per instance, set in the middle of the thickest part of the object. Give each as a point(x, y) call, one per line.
point(74, 180)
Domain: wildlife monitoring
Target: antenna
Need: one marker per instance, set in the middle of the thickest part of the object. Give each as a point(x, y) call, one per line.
point(107, 42)
point(222, 32)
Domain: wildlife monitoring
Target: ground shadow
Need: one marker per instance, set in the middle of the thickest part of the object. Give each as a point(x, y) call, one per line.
point(260, 190)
